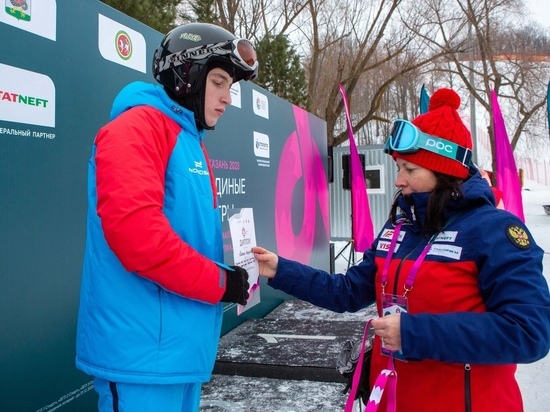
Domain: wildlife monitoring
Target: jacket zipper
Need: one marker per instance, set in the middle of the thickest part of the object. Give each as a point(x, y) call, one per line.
point(467, 392)
point(160, 313)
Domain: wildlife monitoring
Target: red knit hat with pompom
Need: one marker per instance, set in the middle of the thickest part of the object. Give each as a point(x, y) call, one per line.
point(441, 120)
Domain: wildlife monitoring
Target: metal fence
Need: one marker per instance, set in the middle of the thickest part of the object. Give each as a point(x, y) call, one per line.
point(535, 169)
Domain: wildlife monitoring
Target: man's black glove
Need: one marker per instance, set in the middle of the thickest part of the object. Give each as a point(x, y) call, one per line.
point(236, 290)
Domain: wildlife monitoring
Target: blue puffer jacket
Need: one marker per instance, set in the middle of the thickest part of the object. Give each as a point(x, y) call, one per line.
point(152, 281)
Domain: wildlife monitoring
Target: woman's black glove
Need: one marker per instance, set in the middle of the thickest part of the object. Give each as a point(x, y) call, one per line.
point(236, 290)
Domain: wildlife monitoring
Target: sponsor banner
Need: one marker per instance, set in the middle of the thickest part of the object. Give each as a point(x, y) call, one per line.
point(121, 44)
point(26, 97)
point(35, 16)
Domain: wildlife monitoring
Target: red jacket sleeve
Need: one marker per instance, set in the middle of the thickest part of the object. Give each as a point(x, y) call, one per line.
point(132, 153)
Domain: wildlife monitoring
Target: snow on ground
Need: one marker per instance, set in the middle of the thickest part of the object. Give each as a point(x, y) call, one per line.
point(533, 378)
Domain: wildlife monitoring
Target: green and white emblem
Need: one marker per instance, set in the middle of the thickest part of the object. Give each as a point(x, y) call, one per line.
point(20, 9)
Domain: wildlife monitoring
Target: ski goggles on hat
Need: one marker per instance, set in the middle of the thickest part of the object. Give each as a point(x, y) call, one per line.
point(241, 52)
point(406, 138)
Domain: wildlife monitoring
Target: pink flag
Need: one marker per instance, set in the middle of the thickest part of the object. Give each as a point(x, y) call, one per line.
point(361, 222)
point(506, 172)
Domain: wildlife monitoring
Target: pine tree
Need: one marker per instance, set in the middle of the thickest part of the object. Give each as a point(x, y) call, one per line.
point(157, 14)
point(280, 70)
point(203, 11)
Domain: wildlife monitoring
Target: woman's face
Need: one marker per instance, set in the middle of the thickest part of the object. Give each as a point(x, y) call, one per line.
point(217, 95)
point(412, 178)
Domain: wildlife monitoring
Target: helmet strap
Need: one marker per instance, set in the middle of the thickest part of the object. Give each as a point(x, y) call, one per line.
point(181, 85)
point(194, 103)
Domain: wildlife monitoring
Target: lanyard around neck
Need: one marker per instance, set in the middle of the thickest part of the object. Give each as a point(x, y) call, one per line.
point(416, 266)
point(394, 237)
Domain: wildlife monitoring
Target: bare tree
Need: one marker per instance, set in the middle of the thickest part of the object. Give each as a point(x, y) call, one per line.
point(252, 19)
point(492, 60)
point(370, 49)
point(381, 51)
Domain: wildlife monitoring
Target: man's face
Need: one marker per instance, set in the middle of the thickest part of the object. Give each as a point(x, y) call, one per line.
point(217, 95)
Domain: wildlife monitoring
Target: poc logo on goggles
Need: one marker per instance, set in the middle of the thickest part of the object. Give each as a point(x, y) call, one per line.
point(440, 146)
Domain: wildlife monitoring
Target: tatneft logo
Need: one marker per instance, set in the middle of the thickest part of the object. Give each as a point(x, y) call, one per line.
point(26, 97)
point(260, 104)
point(198, 169)
point(122, 45)
point(261, 145)
point(18, 98)
point(37, 17)
point(447, 236)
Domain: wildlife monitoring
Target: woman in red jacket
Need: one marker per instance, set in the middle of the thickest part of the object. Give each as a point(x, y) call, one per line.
point(458, 283)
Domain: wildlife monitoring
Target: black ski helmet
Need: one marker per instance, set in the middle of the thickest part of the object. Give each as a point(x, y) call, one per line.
point(187, 53)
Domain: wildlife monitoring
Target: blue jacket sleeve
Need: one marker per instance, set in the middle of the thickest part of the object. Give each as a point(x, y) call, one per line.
point(341, 292)
point(516, 325)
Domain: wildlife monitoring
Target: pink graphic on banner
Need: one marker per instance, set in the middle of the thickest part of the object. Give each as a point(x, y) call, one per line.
point(361, 221)
point(506, 172)
point(301, 163)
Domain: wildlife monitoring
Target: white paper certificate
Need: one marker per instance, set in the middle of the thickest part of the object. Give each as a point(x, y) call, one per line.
point(243, 238)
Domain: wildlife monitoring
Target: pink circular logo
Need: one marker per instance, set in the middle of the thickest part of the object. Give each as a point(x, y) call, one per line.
point(301, 163)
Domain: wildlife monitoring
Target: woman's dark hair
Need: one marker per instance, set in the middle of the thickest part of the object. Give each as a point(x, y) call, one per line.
point(447, 188)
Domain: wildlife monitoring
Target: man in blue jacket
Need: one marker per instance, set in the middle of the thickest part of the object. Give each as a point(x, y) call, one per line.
point(153, 276)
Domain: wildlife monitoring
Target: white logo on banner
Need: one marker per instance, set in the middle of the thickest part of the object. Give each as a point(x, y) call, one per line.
point(26, 97)
point(236, 95)
point(38, 17)
point(122, 45)
point(260, 104)
point(261, 145)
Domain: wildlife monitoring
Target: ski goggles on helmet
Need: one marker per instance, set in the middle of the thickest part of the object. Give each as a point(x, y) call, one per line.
point(406, 138)
point(240, 52)
point(243, 53)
